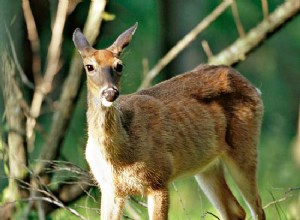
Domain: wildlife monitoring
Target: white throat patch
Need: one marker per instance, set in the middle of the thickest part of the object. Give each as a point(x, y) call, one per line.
point(106, 103)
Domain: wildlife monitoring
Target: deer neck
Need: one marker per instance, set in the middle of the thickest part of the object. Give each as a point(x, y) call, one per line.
point(106, 129)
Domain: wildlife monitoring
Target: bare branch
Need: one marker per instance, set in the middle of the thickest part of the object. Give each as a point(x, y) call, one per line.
point(51, 69)
point(144, 205)
point(23, 76)
point(241, 47)
point(209, 213)
point(265, 8)
point(92, 26)
point(292, 189)
point(274, 202)
point(70, 89)
point(34, 41)
point(55, 45)
point(17, 155)
point(145, 64)
point(183, 43)
point(237, 20)
point(53, 201)
point(206, 48)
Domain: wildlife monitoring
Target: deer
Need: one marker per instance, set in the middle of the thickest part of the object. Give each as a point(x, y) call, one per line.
point(194, 124)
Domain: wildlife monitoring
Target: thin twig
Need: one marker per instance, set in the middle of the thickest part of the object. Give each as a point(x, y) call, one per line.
point(209, 213)
point(275, 202)
point(241, 47)
point(206, 48)
point(183, 43)
point(284, 198)
point(265, 8)
point(52, 201)
point(292, 189)
point(145, 64)
point(48, 196)
point(144, 205)
point(23, 76)
point(34, 40)
point(237, 20)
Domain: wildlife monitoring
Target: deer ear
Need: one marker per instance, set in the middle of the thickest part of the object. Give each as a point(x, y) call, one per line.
point(80, 41)
point(123, 40)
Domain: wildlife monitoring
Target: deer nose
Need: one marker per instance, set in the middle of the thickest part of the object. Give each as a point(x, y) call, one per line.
point(110, 94)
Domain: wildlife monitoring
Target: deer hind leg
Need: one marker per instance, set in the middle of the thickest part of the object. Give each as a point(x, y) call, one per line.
point(158, 204)
point(245, 178)
point(241, 158)
point(242, 167)
point(214, 185)
point(111, 206)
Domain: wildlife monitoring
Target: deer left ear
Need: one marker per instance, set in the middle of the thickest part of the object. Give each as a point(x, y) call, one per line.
point(123, 40)
point(80, 41)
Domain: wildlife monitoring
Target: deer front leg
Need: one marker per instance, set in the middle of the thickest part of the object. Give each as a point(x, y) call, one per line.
point(158, 203)
point(111, 206)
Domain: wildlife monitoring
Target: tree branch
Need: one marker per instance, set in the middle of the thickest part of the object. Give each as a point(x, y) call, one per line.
point(237, 20)
point(265, 8)
point(34, 40)
point(23, 76)
point(70, 89)
point(241, 47)
point(183, 43)
point(17, 154)
point(53, 56)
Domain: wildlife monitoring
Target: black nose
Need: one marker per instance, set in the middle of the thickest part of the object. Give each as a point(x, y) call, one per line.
point(111, 94)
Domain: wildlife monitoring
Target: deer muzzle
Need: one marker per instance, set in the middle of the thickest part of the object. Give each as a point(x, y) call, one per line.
point(110, 95)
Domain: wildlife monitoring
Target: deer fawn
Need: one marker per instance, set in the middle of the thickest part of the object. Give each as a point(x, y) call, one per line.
point(192, 124)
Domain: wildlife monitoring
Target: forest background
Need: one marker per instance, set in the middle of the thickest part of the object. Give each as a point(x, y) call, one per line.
point(43, 174)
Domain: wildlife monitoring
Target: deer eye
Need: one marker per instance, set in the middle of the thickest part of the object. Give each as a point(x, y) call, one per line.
point(118, 67)
point(90, 68)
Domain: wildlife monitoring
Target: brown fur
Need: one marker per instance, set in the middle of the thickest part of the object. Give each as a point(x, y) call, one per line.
point(192, 124)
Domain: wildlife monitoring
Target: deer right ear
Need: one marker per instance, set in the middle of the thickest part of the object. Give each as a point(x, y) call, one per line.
point(123, 40)
point(80, 41)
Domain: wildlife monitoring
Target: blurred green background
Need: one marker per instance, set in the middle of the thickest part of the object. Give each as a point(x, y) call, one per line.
point(274, 68)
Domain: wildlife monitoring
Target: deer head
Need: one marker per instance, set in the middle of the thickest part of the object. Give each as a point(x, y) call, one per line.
point(103, 67)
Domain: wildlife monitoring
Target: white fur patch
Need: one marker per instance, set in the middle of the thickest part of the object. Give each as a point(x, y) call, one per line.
point(258, 91)
point(100, 168)
point(106, 103)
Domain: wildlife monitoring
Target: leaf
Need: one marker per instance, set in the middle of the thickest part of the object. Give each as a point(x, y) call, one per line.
point(108, 16)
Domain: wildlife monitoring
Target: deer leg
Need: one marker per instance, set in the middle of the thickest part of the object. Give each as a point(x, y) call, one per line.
point(241, 157)
point(158, 204)
point(111, 206)
point(214, 185)
point(244, 174)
